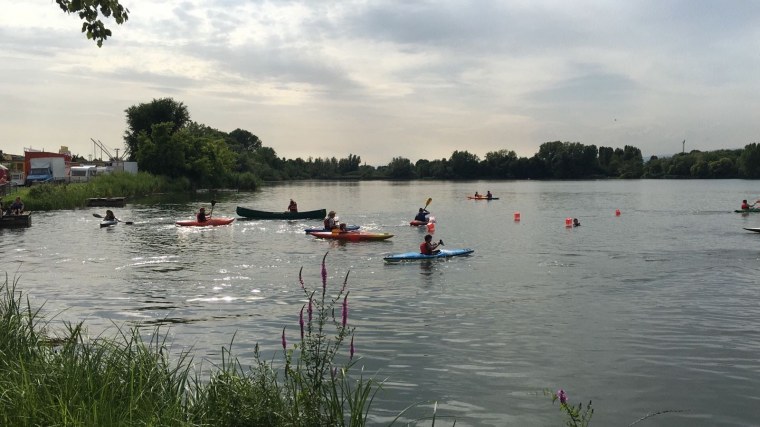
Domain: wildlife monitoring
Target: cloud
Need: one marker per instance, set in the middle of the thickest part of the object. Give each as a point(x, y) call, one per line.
point(383, 79)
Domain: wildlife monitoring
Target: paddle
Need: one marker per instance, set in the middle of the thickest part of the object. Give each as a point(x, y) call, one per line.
point(430, 199)
point(213, 202)
point(117, 219)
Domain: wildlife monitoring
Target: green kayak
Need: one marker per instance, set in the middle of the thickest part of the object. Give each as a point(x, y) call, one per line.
point(254, 214)
point(750, 210)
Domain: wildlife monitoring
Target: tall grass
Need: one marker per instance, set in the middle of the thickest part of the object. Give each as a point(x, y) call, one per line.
point(70, 379)
point(46, 197)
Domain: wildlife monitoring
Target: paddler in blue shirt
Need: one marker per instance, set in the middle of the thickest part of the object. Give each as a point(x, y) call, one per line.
point(422, 215)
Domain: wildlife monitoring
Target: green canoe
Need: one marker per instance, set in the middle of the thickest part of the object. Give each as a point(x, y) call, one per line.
point(254, 214)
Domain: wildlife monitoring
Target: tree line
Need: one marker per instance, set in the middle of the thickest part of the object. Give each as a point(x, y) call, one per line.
point(163, 139)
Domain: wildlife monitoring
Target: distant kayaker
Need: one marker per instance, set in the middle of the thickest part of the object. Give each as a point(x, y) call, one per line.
point(293, 206)
point(477, 194)
point(576, 223)
point(201, 215)
point(746, 206)
point(422, 215)
point(109, 216)
point(428, 247)
point(489, 195)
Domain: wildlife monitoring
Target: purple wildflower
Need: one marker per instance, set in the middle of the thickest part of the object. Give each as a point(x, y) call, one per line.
point(324, 275)
point(345, 282)
point(300, 278)
point(562, 396)
point(284, 343)
point(300, 320)
point(311, 309)
point(345, 309)
point(352, 348)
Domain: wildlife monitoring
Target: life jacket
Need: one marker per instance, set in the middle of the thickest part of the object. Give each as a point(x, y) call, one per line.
point(424, 249)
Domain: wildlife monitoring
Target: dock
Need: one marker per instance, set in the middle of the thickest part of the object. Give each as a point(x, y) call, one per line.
point(107, 202)
point(16, 221)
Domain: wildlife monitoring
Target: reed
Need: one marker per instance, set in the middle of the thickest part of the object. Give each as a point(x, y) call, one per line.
point(45, 197)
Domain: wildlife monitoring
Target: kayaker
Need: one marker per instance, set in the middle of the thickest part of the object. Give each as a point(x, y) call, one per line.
point(489, 195)
point(109, 216)
point(331, 222)
point(422, 215)
point(428, 247)
point(293, 206)
point(746, 206)
point(201, 215)
point(576, 223)
point(477, 194)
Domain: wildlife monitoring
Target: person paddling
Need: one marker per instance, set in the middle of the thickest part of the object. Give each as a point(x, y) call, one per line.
point(428, 247)
point(422, 215)
point(746, 206)
point(201, 215)
point(293, 206)
point(109, 216)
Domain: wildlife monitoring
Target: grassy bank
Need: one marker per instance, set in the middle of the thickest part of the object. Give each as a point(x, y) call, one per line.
point(54, 377)
point(46, 197)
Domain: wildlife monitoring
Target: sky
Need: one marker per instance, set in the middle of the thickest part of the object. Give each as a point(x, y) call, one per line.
point(384, 79)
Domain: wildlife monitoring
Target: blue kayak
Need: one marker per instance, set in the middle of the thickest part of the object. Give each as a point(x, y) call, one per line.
point(317, 230)
point(108, 223)
point(444, 253)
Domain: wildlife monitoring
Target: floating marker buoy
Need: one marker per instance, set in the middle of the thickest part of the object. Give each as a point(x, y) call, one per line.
point(617, 212)
point(517, 216)
point(568, 222)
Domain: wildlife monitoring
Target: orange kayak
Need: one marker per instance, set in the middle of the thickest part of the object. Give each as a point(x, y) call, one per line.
point(209, 221)
point(351, 236)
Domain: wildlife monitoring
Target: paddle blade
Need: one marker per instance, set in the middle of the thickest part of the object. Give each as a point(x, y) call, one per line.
point(430, 199)
point(97, 215)
point(213, 202)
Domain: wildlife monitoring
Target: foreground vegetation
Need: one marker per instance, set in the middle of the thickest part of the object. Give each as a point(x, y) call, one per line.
point(49, 377)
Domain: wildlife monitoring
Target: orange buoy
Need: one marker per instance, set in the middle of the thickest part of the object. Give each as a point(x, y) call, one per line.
point(568, 222)
point(617, 212)
point(517, 216)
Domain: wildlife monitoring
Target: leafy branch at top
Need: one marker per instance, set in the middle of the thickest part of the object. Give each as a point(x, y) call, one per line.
point(90, 11)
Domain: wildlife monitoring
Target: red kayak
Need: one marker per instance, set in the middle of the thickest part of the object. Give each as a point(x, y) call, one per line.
point(351, 236)
point(209, 221)
point(415, 222)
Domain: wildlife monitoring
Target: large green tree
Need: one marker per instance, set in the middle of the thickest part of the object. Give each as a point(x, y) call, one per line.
point(142, 118)
point(91, 11)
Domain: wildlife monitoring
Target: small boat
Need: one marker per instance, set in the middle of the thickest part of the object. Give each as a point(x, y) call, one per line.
point(118, 202)
point(482, 198)
point(750, 210)
point(254, 214)
point(346, 228)
point(414, 256)
point(351, 236)
point(209, 221)
point(755, 229)
point(108, 222)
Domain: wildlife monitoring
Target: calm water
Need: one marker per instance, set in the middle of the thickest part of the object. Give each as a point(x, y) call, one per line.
point(657, 309)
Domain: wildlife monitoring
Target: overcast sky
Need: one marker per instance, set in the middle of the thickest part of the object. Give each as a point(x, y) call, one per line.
point(383, 79)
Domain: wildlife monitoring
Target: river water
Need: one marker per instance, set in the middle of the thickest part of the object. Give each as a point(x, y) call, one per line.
point(656, 309)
